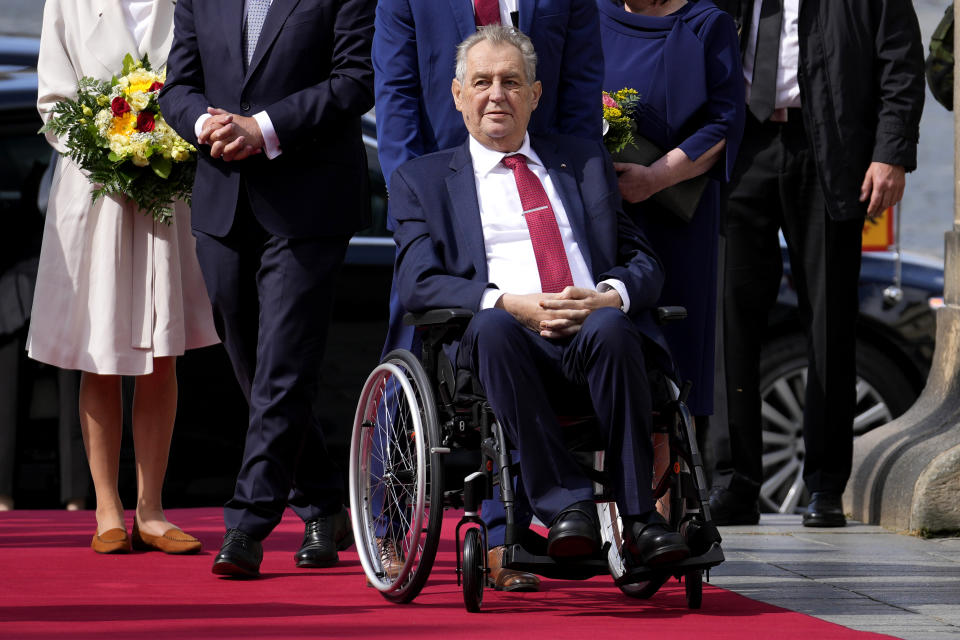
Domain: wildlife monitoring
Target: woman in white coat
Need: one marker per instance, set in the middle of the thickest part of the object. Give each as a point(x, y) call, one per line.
point(117, 293)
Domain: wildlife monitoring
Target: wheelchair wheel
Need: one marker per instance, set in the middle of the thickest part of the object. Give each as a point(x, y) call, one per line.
point(693, 585)
point(473, 571)
point(396, 483)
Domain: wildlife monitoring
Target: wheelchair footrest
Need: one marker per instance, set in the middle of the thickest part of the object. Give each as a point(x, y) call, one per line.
point(519, 559)
point(711, 558)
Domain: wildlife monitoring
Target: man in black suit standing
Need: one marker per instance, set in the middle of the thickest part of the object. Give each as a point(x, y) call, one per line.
point(835, 91)
point(272, 92)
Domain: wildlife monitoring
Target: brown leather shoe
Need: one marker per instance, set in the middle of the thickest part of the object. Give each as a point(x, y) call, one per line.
point(390, 559)
point(508, 579)
point(173, 541)
point(111, 541)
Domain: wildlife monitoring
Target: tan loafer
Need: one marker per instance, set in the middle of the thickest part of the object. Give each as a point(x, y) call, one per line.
point(508, 579)
point(173, 541)
point(111, 541)
point(390, 559)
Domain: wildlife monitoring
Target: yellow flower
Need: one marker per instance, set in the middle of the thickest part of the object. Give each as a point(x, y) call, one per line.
point(124, 124)
point(87, 111)
point(139, 100)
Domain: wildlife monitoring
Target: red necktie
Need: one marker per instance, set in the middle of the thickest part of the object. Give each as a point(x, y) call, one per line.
point(487, 12)
point(542, 225)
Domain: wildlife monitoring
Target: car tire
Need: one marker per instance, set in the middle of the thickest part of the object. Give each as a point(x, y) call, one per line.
point(883, 393)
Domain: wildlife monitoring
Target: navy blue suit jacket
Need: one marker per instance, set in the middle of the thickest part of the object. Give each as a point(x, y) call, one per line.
point(311, 72)
point(441, 259)
point(414, 51)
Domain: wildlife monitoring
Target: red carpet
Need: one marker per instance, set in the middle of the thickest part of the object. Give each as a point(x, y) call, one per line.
point(53, 586)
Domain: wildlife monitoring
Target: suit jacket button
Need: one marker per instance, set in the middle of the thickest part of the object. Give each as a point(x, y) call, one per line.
point(245, 106)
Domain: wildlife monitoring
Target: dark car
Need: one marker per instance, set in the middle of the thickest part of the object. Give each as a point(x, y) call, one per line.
point(895, 346)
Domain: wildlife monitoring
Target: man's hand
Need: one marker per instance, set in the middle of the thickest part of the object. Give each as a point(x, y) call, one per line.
point(557, 315)
point(636, 182)
point(882, 186)
point(234, 138)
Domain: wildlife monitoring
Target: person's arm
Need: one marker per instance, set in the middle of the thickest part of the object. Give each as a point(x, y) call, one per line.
point(423, 282)
point(56, 77)
point(396, 86)
point(718, 137)
point(348, 90)
point(182, 100)
point(581, 74)
point(900, 72)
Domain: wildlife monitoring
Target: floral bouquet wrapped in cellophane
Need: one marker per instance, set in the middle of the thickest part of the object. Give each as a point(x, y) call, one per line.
point(115, 132)
point(618, 114)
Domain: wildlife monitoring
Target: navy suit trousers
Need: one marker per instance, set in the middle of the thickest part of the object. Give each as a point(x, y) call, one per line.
point(272, 299)
point(529, 380)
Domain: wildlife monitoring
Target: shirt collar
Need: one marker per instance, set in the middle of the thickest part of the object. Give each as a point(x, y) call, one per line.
point(486, 160)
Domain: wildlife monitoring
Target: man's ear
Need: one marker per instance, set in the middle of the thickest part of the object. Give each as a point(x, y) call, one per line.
point(537, 92)
point(456, 88)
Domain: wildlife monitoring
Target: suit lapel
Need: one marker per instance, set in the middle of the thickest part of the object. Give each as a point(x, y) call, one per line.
point(526, 9)
point(279, 10)
point(565, 181)
point(462, 189)
point(463, 16)
point(110, 38)
point(231, 14)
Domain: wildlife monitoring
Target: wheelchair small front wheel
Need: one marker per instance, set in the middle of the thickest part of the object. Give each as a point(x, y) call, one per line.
point(693, 585)
point(473, 571)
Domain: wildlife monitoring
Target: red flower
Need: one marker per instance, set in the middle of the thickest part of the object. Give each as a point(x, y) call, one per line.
point(145, 121)
point(610, 102)
point(119, 107)
point(156, 86)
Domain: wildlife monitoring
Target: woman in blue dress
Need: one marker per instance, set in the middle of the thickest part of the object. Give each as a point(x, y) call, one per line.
point(683, 58)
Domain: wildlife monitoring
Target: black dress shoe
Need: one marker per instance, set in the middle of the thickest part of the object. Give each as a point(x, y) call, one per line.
point(730, 508)
point(240, 556)
point(575, 533)
point(652, 544)
point(825, 510)
point(322, 538)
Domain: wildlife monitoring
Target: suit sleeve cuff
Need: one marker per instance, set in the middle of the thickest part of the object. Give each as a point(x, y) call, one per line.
point(489, 298)
point(198, 125)
point(620, 288)
point(271, 144)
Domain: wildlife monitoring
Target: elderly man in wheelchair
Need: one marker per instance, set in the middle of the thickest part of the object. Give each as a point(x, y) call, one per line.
point(546, 292)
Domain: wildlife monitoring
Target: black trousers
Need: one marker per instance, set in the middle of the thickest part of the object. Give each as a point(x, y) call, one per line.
point(775, 187)
point(272, 298)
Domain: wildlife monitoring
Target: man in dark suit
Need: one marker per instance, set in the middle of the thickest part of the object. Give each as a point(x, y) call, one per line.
point(529, 233)
point(835, 91)
point(412, 57)
point(272, 92)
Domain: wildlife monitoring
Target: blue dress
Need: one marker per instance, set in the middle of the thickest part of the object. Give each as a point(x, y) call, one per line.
point(686, 68)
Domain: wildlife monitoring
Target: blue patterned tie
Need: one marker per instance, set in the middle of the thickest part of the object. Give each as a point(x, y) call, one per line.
point(256, 14)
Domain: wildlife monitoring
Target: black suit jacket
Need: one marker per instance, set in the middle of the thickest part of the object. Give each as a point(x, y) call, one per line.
point(861, 86)
point(311, 73)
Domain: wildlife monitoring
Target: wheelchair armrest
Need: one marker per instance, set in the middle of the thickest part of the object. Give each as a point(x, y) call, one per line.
point(670, 314)
point(437, 317)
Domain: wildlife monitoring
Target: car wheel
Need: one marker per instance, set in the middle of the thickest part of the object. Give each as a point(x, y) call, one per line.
point(883, 393)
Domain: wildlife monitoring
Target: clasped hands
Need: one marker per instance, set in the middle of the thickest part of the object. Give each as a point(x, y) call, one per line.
point(557, 315)
point(231, 137)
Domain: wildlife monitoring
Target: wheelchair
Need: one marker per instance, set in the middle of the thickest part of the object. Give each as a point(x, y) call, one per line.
point(413, 411)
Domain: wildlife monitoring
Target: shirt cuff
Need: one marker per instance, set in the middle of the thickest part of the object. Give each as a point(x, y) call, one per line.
point(198, 125)
point(271, 144)
point(489, 298)
point(620, 288)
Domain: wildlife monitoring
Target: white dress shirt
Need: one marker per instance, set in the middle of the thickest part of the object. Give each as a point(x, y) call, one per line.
point(788, 87)
point(511, 263)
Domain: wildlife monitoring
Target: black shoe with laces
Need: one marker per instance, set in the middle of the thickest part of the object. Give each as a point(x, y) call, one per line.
point(730, 508)
point(322, 538)
point(825, 510)
point(240, 556)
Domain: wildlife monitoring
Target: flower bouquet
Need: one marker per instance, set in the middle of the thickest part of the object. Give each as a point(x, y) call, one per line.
point(620, 110)
point(115, 132)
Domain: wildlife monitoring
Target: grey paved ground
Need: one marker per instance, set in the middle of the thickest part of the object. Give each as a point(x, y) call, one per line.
point(863, 577)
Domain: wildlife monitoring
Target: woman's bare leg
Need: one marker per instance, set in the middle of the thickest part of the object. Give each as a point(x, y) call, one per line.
point(154, 411)
point(101, 420)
